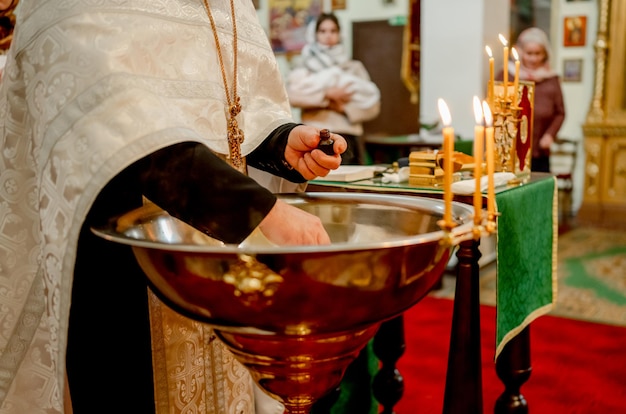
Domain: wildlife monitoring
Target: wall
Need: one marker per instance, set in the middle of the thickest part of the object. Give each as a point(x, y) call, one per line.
point(577, 95)
point(454, 63)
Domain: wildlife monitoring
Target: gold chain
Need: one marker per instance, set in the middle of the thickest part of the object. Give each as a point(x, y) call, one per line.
point(235, 134)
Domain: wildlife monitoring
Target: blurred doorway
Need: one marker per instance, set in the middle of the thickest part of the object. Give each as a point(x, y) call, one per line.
point(529, 13)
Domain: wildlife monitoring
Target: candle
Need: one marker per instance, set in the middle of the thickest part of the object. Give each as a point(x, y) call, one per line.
point(516, 78)
point(479, 136)
point(505, 82)
point(489, 150)
point(448, 149)
point(491, 75)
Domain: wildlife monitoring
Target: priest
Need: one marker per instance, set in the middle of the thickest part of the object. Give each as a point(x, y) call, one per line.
point(106, 104)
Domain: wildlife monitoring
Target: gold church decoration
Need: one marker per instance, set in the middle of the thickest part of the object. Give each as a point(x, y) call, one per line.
point(411, 51)
point(512, 107)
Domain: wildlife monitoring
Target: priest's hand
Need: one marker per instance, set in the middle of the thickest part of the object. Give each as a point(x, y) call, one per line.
point(302, 153)
point(303, 229)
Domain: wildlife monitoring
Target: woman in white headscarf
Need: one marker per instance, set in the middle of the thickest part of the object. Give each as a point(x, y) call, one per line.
point(332, 90)
point(104, 103)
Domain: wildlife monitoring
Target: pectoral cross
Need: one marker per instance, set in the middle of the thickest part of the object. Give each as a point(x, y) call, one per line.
point(235, 138)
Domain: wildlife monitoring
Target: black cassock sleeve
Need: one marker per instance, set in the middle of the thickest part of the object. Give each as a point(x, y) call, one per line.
point(193, 184)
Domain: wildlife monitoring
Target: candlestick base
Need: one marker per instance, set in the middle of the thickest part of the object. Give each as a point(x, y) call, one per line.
point(454, 235)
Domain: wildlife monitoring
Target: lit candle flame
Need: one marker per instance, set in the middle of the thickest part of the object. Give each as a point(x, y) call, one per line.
point(503, 40)
point(444, 112)
point(487, 114)
point(488, 49)
point(514, 53)
point(478, 111)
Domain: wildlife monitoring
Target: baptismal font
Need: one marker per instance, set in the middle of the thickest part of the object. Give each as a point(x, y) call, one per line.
point(297, 316)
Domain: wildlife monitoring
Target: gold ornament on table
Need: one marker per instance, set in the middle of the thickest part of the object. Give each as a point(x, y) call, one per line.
point(513, 129)
point(506, 124)
point(512, 106)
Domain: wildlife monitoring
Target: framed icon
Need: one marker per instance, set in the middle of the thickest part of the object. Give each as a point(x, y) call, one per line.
point(572, 70)
point(338, 5)
point(574, 31)
point(288, 23)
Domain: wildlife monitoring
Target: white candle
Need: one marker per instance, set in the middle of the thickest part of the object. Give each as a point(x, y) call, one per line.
point(489, 150)
point(479, 136)
point(448, 150)
point(505, 82)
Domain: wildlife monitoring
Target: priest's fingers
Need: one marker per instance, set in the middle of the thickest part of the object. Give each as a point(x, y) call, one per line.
point(317, 164)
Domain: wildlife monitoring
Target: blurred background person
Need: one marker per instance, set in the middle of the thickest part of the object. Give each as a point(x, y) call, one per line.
point(332, 90)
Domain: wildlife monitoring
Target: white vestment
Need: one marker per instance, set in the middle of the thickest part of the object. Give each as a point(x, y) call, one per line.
point(91, 86)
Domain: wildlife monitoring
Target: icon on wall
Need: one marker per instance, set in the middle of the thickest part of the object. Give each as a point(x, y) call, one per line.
point(338, 5)
point(572, 70)
point(288, 23)
point(574, 30)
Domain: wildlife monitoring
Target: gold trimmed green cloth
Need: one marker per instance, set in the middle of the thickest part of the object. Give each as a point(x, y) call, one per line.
point(526, 264)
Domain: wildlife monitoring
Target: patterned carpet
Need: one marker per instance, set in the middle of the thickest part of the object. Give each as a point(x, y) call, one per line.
point(591, 277)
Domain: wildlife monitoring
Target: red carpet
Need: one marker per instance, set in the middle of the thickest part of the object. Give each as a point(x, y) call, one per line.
point(578, 367)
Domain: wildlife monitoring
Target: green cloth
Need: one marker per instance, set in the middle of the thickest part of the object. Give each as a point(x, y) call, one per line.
point(466, 146)
point(526, 265)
